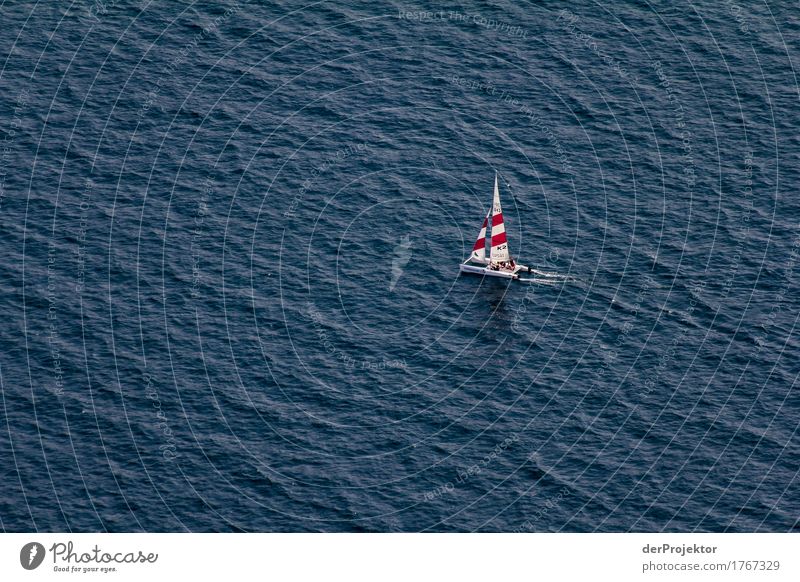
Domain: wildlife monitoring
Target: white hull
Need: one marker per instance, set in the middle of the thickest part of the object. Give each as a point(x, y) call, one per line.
point(485, 271)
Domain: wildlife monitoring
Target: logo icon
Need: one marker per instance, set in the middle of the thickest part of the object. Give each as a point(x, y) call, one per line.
point(31, 555)
point(402, 254)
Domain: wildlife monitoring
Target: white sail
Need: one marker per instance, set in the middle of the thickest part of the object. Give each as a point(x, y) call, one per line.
point(499, 252)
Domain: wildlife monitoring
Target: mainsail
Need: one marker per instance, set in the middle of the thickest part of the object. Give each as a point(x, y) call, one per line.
point(499, 252)
point(479, 250)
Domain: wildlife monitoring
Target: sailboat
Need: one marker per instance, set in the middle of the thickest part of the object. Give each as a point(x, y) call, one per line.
point(500, 262)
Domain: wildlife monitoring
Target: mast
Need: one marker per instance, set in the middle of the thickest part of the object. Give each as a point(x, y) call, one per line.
point(499, 252)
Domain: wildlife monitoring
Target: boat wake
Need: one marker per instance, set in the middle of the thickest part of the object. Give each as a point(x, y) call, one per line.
point(544, 281)
point(549, 276)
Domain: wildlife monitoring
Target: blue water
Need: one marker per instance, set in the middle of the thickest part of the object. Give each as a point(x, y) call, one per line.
point(229, 267)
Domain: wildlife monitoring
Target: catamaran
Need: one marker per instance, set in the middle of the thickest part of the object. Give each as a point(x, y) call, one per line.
point(500, 262)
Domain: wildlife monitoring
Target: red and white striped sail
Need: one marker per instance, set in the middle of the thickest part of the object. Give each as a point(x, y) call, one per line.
point(479, 250)
point(499, 252)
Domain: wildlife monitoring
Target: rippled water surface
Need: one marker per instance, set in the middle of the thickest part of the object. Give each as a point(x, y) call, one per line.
point(229, 266)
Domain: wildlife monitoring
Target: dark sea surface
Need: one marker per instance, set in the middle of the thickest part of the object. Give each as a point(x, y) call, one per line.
point(230, 237)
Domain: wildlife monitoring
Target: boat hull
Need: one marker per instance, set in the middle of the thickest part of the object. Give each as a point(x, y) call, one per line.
point(486, 272)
